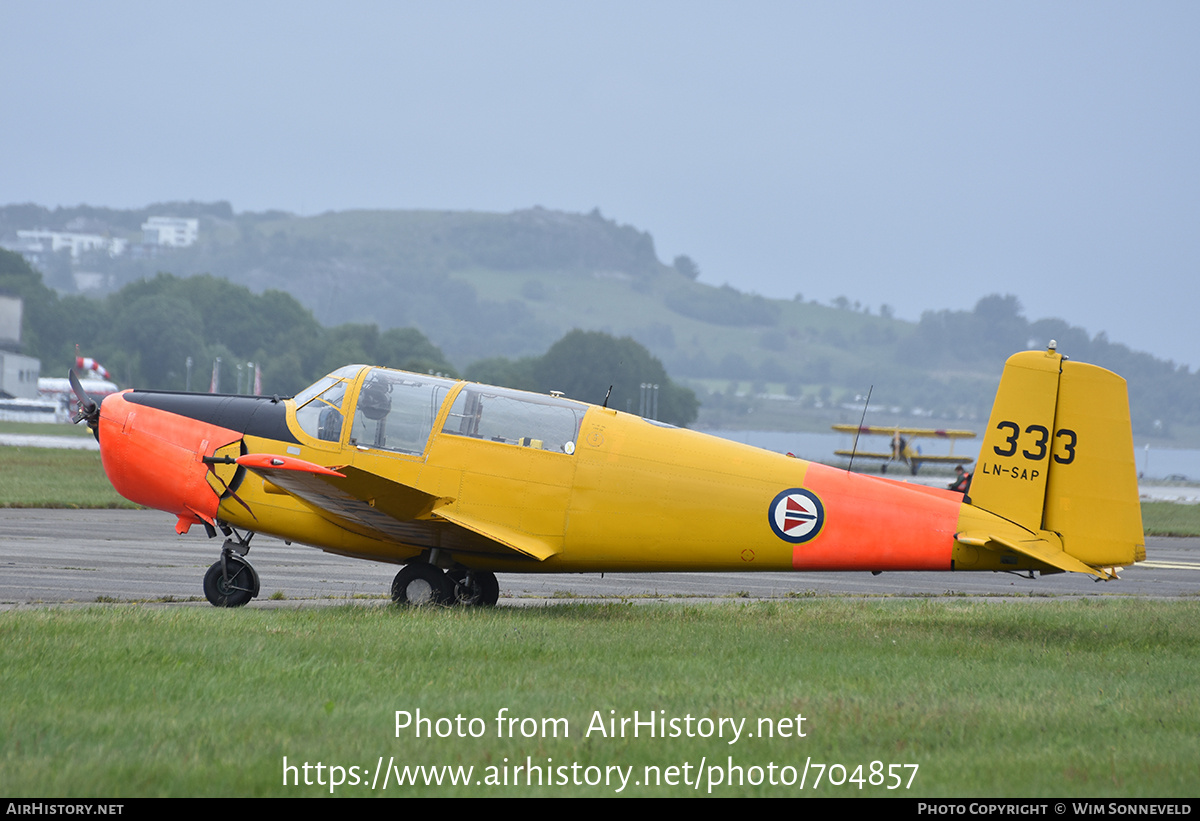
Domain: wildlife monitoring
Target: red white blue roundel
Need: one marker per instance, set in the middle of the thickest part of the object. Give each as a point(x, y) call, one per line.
point(796, 515)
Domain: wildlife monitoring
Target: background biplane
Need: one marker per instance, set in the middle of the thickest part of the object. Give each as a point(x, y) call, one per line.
point(456, 481)
point(901, 447)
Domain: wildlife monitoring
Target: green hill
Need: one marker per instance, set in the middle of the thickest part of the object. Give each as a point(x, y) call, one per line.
point(482, 286)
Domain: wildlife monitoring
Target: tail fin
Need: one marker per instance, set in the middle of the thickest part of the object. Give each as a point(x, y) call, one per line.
point(1057, 457)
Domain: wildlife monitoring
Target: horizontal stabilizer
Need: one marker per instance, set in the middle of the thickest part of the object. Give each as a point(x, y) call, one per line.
point(1042, 549)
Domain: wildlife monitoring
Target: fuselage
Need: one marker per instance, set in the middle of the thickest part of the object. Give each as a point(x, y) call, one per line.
point(601, 490)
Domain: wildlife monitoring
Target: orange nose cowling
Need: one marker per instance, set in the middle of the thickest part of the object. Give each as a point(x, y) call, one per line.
point(154, 458)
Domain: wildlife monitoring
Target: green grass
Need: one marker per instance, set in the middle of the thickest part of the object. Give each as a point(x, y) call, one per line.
point(44, 429)
point(50, 477)
point(1170, 519)
point(1091, 697)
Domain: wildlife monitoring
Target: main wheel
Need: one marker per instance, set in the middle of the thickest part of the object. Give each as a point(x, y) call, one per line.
point(232, 586)
point(421, 583)
point(475, 587)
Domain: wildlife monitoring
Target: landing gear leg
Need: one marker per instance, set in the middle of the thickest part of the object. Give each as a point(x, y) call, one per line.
point(232, 580)
point(475, 587)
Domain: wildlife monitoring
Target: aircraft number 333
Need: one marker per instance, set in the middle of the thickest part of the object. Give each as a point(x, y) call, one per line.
point(1065, 440)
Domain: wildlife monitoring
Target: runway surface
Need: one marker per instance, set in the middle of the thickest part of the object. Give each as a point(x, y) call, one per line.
point(84, 556)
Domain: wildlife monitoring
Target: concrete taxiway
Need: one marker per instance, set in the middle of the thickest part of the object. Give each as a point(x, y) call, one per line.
point(61, 556)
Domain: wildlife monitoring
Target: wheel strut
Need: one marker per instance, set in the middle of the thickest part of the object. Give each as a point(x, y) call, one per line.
point(232, 580)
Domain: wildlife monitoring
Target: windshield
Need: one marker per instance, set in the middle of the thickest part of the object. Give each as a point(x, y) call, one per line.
point(316, 388)
point(319, 406)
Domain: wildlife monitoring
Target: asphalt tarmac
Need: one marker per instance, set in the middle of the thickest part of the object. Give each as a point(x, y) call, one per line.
point(87, 556)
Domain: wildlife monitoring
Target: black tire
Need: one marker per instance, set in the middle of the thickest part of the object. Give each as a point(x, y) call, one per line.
point(422, 584)
point(475, 587)
point(239, 588)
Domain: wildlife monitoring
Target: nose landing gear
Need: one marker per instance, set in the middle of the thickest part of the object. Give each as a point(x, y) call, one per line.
point(232, 580)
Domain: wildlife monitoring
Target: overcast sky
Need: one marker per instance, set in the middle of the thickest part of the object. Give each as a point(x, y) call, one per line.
point(918, 154)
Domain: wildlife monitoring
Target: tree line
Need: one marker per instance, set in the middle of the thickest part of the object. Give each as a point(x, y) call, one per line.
point(146, 332)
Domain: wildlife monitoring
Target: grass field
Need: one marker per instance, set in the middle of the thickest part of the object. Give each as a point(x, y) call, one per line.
point(1090, 697)
point(44, 429)
point(1170, 519)
point(50, 477)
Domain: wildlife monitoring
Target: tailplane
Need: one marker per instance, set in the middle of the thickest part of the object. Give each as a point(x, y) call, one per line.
point(1057, 459)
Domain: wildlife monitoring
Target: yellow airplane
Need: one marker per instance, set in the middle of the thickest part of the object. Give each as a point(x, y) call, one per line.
point(902, 447)
point(456, 481)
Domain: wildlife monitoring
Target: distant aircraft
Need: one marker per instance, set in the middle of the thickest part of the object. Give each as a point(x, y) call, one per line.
point(58, 390)
point(457, 481)
point(902, 448)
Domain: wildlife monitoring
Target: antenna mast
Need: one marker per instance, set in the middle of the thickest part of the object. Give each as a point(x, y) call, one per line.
point(854, 449)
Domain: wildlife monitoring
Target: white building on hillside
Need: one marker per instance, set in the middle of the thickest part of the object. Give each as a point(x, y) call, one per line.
point(173, 231)
point(38, 242)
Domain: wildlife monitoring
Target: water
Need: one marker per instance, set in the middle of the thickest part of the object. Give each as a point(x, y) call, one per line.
point(1152, 463)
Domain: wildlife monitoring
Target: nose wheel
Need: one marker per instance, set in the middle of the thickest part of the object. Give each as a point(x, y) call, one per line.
point(232, 580)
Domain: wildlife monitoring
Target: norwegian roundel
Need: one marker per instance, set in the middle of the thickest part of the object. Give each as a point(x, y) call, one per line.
point(796, 515)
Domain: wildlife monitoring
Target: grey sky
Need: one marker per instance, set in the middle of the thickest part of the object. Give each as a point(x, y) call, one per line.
point(918, 154)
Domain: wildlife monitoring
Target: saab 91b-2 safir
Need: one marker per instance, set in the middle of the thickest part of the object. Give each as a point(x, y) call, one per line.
point(457, 481)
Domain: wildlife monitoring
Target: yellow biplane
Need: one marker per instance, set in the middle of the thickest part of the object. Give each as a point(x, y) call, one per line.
point(457, 481)
point(902, 449)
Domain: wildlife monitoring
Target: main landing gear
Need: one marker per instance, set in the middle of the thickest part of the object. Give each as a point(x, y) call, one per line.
point(232, 580)
point(420, 583)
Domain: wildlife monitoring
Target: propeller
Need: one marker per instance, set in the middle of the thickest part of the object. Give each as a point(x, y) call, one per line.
point(88, 411)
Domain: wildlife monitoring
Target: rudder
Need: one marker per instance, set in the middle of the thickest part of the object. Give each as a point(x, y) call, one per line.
point(1092, 496)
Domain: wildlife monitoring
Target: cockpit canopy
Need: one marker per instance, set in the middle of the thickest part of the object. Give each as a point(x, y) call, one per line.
point(397, 411)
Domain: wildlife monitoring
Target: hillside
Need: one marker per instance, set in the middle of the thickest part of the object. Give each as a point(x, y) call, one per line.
point(482, 286)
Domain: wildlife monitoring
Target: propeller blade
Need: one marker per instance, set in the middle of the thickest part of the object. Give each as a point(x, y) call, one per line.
point(89, 411)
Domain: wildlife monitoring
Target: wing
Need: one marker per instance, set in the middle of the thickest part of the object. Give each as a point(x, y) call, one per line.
point(920, 457)
point(374, 506)
point(863, 454)
point(933, 433)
